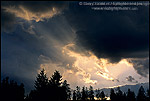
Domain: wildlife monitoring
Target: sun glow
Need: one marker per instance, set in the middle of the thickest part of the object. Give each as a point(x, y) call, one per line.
point(124, 61)
point(104, 75)
point(87, 65)
point(87, 69)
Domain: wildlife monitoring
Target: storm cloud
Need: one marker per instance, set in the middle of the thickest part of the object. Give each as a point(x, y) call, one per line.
point(35, 33)
point(14, 12)
point(113, 35)
point(26, 44)
point(141, 66)
point(8, 21)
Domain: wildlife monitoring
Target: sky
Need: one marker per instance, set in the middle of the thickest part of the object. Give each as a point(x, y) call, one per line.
point(102, 48)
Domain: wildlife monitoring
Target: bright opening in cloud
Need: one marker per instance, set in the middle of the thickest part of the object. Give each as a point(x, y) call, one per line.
point(90, 70)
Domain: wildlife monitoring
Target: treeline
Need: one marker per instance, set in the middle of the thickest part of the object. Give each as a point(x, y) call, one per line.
point(11, 91)
point(90, 94)
point(53, 89)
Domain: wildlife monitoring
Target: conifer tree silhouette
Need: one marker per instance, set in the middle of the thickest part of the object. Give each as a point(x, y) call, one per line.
point(58, 93)
point(130, 96)
point(41, 81)
point(41, 87)
point(32, 96)
point(112, 95)
point(83, 94)
point(78, 93)
point(55, 80)
point(74, 94)
point(148, 98)
point(91, 93)
point(49, 90)
point(98, 94)
point(124, 97)
point(67, 89)
point(119, 94)
point(86, 93)
point(11, 91)
point(141, 94)
point(56, 90)
point(102, 95)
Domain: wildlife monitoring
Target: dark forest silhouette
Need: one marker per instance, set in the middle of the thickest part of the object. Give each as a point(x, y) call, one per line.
point(54, 89)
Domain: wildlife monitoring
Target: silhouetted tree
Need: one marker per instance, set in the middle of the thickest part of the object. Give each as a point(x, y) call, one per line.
point(86, 93)
point(74, 95)
point(102, 95)
point(21, 91)
point(148, 98)
point(67, 89)
point(78, 93)
point(55, 86)
point(130, 96)
point(32, 96)
point(119, 94)
point(11, 91)
point(83, 93)
point(141, 94)
point(98, 93)
point(41, 87)
point(91, 93)
point(55, 90)
point(148, 93)
point(49, 90)
point(41, 81)
point(55, 80)
point(124, 97)
point(112, 95)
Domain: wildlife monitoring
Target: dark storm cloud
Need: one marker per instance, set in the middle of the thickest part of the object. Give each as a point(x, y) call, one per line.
point(12, 12)
point(35, 7)
point(141, 66)
point(111, 34)
point(43, 6)
point(8, 22)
